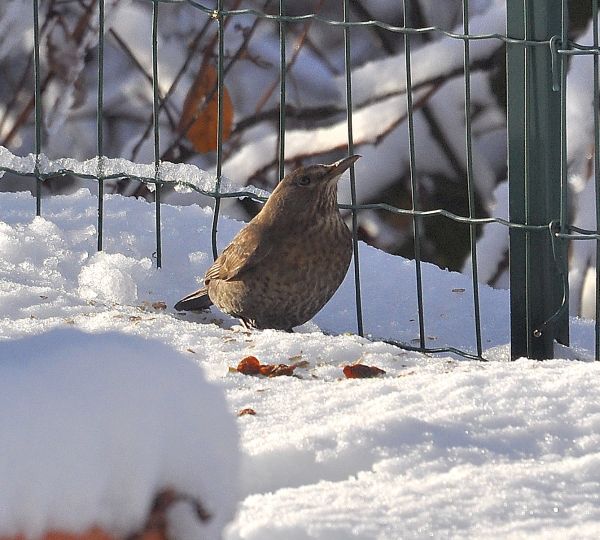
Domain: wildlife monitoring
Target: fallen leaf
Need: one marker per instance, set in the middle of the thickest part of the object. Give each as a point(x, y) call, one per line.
point(199, 118)
point(270, 370)
point(302, 364)
point(43, 297)
point(361, 371)
point(152, 306)
point(191, 350)
point(251, 366)
point(246, 411)
point(458, 290)
point(91, 534)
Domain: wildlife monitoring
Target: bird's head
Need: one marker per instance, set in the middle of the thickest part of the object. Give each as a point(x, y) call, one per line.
point(315, 177)
point(313, 187)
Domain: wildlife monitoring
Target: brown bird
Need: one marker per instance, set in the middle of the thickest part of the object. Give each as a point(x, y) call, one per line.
point(286, 263)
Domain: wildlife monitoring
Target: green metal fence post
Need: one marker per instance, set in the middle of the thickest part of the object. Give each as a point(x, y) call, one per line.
point(155, 123)
point(534, 174)
point(99, 124)
point(37, 105)
point(596, 31)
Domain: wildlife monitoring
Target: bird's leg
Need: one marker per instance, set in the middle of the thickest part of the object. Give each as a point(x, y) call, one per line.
point(248, 324)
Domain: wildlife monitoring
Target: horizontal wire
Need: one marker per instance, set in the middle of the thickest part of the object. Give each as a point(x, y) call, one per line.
point(428, 350)
point(243, 194)
point(214, 13)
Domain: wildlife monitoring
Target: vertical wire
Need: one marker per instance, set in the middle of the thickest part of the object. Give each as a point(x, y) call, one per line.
point(155, 114)
point(220, 55)
point(563, 120)
point(38, 107)
point(470, 179)
point(347, 66)
point(282, 80)
point(413, 180)
point(526, 186)
point(564, 182)
point(99, 123)
point(597, 172)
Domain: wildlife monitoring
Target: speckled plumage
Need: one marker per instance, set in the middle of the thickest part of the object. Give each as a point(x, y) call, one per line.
point(284, 266)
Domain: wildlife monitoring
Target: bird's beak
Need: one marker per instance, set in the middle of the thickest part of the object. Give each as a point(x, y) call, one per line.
point(342, 165)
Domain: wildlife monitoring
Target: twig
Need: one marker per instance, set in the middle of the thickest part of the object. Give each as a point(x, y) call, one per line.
point(192, 49)
point(299, 45)
point(343, 145)
point(142, 69)
point(436, 130)
point(382, 34)
point(167, 155)
point(326, 112)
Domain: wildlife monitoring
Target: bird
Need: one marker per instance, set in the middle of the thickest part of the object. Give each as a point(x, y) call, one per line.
point(288, 261)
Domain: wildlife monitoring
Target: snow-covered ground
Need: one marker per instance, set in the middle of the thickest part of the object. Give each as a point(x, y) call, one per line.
point(438, 447)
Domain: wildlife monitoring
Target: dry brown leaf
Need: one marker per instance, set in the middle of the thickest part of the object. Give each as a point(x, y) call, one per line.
point(271, 370)
point(251, 366)
point(155, 527)
point(301, 364)
point(92, 534)
point(199, 118)
point(361, 371)
point(246, 411)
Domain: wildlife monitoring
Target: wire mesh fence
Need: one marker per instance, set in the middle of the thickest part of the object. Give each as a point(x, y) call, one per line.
point(538, 49)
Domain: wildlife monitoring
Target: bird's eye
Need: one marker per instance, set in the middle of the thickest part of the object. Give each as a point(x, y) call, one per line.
point(304, 181)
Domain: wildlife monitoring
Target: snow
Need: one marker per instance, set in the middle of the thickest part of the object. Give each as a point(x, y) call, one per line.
point(448, 451)
point(94, 425)
point(439, 446)
point(430, 61)
point(183, 176)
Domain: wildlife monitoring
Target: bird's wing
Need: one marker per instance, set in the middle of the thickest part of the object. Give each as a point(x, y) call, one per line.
point(248, 248)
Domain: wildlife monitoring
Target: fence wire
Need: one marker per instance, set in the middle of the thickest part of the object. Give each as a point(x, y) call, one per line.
point(556, 231)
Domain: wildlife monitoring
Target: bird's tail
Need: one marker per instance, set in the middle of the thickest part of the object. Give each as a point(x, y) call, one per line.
point(195, 301)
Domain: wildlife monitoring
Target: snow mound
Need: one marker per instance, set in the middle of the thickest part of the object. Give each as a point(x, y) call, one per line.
point(95, 425)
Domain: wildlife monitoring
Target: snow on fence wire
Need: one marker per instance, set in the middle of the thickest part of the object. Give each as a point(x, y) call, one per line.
point(537, 50)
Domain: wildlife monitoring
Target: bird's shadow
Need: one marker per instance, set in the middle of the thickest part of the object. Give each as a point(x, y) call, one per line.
point(214, 316)
point(207, 316)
